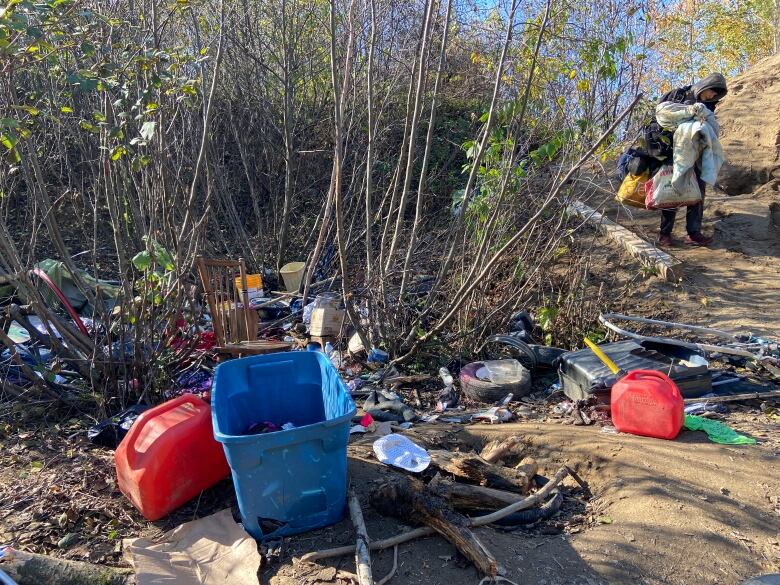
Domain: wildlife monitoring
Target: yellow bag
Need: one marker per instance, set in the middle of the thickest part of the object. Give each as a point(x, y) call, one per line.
point(632, 190)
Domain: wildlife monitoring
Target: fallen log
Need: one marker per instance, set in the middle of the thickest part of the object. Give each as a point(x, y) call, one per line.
point(668, 267)
point(407, 499)
point(498, 450)
point(476, 470)
point(528, 502)
point(471, 497)
point(34, 569)
point(362, 555)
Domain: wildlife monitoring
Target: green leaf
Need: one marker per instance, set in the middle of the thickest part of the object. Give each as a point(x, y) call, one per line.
point(9, 142)
point(142, 261)
point(118, 151)
point(113, 535)
point(147, 130)
point(36, 465)
point(605, 520)
point(66, 110)
point(9, 122)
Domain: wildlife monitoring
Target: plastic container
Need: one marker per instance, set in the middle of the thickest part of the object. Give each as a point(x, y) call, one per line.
point(648, 403)
point(169, 456)
point(294, 480)
point(292, 274)
point(254, 286)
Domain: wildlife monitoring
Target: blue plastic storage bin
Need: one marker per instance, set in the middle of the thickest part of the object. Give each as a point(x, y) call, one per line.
point(293, 480)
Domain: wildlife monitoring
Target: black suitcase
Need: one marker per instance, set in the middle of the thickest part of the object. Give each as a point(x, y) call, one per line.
point(582, 373)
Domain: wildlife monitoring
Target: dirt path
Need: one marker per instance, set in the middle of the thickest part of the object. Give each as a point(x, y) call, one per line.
point(733, 284)
point(663, 512)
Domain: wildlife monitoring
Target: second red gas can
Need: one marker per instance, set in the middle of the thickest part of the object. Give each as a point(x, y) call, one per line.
point(648, 403)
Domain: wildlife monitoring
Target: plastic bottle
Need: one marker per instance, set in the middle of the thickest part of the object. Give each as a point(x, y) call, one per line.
point(446, 377)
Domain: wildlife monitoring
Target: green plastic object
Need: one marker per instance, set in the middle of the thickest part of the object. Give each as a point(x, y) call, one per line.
point(716, 431)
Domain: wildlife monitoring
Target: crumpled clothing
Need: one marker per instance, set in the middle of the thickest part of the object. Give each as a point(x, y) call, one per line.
point(696, 143)
point(717, 432)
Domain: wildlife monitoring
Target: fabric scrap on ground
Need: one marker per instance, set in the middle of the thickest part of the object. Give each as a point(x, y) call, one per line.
point(717, 432)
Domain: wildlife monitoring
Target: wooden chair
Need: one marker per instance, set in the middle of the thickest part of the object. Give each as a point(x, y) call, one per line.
point(235, 324)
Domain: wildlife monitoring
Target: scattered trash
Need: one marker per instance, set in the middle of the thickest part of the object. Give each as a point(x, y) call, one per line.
point(110, 432)
point(209, 551)
point(260, 428)
point(355, 384)
point(705, 407)
point(355, 345)
point(717, 432)
point(378, 356)
point(447, 397)
point(326, 318)
point(379, 402)
point(494, 415)
point(400, 451)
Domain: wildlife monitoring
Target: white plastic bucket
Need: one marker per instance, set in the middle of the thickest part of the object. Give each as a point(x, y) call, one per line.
point(292, 274)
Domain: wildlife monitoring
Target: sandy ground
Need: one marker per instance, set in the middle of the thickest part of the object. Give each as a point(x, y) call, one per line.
point(665, 513)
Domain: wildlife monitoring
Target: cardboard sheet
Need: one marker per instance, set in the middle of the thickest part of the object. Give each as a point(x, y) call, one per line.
point(209, 551)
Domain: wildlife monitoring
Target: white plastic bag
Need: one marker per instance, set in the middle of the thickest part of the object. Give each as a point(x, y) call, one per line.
point(660, 193)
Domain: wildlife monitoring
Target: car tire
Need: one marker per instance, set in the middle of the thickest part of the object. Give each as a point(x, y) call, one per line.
point(487, 391)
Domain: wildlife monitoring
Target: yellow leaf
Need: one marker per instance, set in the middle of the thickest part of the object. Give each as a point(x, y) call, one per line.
point(583, 85)
point(572, 74)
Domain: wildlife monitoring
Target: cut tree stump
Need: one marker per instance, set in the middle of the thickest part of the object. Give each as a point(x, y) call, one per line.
point(34, 569)
point(499, 450)
point(476, 470)
point(407, 499)
point(669, 267)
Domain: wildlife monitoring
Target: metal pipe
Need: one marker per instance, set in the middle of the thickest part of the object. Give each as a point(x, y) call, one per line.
point(671, 325)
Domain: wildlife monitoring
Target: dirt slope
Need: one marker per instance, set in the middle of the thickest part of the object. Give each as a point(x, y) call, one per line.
point(750, 124)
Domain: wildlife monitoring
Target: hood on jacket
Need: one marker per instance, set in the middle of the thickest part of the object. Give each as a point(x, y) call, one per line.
point(715, 82)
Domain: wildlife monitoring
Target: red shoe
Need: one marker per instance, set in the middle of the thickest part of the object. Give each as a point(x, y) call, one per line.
point(698, 239)
point(665, 240)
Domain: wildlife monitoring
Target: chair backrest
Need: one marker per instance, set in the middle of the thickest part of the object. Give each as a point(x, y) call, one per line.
point(231, 317)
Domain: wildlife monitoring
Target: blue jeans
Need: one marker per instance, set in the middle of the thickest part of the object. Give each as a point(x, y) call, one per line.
point(693, 215)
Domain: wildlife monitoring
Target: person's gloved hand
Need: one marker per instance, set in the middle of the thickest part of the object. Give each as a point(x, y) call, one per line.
point(699, 111)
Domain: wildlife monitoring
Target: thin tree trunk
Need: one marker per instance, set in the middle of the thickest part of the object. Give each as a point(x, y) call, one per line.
point(422, 69)
point(339, 91)
point(421, 186)
point(370, 145)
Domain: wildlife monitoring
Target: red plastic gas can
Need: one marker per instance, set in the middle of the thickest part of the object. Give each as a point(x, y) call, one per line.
point(169, 456)
point(648, 403)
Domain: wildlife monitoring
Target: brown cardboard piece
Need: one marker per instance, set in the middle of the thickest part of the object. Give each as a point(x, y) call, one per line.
point(326, 322)
point(209, 551)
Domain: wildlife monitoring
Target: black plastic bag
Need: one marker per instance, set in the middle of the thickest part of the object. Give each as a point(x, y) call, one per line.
point(110, 432)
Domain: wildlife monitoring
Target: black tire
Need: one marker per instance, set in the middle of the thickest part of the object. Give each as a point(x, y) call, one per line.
point(486, 391)
point(547, 356)
point(499, 347)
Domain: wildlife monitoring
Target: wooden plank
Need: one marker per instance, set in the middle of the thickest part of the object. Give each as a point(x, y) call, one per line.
point(669, 267)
